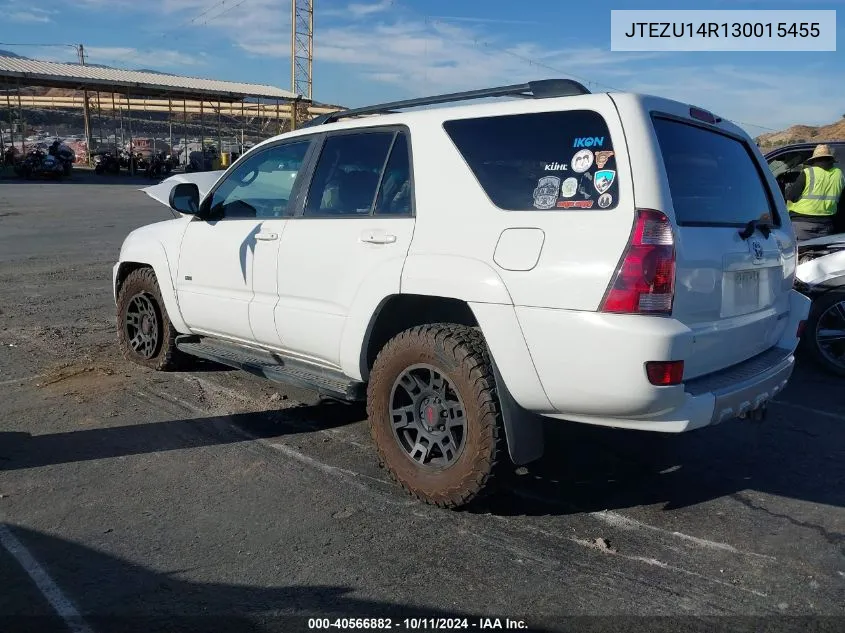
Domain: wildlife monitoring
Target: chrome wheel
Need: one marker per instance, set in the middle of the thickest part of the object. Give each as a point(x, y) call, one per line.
point(428, 417)
point(830, 334)
point(142, 326)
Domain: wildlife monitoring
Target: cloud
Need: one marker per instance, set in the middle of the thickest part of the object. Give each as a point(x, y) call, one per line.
point(754, 98)
point(32, 16)
point(363, 9)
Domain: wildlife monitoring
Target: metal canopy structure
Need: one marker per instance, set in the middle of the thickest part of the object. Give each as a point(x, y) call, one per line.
point(20, 71)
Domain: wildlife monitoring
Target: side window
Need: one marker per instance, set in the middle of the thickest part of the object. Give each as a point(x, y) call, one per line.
point(261, 186)
point(546, 160)
point(789, 161)
point(394, 196)
point(347, 174)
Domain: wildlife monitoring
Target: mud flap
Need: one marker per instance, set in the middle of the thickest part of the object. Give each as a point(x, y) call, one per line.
point(523, 429)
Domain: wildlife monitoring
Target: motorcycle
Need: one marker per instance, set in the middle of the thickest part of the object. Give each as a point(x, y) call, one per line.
point(64, 155)
point(106, 162)
point(40, 163)
point(159, 164)
point(820, 276)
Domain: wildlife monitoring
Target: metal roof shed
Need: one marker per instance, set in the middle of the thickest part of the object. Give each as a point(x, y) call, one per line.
point(14, 70)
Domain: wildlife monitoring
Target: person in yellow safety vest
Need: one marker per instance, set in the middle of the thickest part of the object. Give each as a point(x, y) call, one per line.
point(815, 198)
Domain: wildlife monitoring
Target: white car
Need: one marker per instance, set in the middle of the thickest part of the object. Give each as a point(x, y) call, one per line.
point(612, 259)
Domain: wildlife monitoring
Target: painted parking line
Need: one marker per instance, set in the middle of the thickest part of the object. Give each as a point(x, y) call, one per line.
point(805, 409)
point(48, 588)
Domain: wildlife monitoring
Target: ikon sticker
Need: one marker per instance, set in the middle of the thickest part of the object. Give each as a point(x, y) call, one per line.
point(605, 200)
point(582, 161)
point(575, 204)
point(589, 141)
point(569, 187)
point(602, 158)
point(603, 179)
point(545, 195)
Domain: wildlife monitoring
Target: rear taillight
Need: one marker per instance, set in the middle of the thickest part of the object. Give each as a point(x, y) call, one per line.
point(802, 326)
point(645, 281)
point(665, 373)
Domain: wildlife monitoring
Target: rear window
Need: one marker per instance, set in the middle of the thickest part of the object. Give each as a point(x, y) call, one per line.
point(540, 161)
point(713, 178)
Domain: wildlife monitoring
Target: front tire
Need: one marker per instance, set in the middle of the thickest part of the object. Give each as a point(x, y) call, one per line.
point(825, 333)
point(434, 414)
point(145, 333)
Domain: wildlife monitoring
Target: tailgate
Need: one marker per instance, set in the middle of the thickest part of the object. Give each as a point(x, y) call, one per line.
point(735, 260)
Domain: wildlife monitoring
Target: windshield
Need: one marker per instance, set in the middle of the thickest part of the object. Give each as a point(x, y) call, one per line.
point(713, 177)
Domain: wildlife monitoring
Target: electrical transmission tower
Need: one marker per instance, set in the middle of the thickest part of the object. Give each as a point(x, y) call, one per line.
point(302, 47)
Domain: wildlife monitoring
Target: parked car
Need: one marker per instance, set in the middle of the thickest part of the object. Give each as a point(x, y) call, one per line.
point(471, 271)
point(787, 162)
point(821, 265)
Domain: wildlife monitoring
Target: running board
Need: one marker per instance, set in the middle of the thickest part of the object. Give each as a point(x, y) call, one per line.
point(274, 367)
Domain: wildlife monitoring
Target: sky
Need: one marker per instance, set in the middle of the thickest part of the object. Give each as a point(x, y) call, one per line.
point(369, 51)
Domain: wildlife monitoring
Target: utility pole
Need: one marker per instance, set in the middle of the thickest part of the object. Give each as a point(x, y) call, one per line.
point(86, 114)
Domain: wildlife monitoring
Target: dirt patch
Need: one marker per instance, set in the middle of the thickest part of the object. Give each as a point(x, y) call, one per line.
point(84, 382)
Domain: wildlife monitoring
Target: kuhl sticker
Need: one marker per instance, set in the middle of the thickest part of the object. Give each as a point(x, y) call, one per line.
point(605, 200)
point(603, 179)
point(602, 158)
point(569, 187)
point(582, 161)
point(575, 204)
point(557, 167)
point(545, 195)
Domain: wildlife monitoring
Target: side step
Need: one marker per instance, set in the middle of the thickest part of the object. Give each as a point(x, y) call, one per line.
point(274, 367)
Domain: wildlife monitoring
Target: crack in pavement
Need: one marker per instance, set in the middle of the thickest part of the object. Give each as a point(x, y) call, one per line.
point(833, 538)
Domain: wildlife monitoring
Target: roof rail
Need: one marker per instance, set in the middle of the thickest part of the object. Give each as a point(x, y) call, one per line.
point(543, 89)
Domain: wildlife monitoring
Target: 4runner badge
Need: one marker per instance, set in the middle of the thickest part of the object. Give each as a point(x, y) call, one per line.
point(545, 195)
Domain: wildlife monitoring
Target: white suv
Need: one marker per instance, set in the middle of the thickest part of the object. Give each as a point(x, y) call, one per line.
point(612, 259)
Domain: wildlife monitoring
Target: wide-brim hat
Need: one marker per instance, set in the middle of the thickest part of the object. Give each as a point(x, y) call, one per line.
point(821, 151)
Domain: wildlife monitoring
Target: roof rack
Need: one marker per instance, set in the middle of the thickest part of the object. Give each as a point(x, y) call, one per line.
point(543, 89)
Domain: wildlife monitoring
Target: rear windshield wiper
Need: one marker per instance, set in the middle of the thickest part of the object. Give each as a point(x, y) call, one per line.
point(765, 227)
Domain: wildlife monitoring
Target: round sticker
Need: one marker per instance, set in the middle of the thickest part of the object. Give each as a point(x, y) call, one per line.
point(569, 187)
point(605, 200)
point(582, 161)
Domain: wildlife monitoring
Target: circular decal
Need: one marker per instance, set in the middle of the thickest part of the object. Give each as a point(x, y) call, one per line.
point(582, 161)
point(569, 187)
point(605, 200)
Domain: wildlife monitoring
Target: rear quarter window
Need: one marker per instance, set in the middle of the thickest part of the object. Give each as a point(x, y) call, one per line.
point(549, 161)
point(713, 177)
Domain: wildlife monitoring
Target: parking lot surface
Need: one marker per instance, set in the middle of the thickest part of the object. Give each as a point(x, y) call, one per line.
point(212, 500)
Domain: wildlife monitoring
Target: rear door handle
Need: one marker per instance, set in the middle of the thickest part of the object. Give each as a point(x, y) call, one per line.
point(266, 237)
point(377, 237)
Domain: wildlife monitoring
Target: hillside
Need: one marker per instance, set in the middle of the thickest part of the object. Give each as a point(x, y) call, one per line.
point(804, 133)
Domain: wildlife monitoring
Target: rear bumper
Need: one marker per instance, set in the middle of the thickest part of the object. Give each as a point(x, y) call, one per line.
point(592, 369)
point(744, 387)
point(713, 399)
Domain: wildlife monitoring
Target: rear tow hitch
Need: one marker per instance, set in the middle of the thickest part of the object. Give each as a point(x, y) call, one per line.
point(757, 415)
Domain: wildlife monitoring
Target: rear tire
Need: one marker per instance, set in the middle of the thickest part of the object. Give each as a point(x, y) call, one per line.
point(144, 331)
point(824, 337)
point(434, 414)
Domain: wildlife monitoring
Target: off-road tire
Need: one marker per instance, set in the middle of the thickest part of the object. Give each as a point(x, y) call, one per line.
point(166, 356)
point(460, 354)
point(810, 342)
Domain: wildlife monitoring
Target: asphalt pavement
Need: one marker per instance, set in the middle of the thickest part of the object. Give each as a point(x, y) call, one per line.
point(210, 500)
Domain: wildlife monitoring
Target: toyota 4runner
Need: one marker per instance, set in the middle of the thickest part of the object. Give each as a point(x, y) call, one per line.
point(470, 271)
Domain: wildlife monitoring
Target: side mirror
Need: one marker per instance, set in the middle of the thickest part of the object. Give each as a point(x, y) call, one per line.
point(185, 198)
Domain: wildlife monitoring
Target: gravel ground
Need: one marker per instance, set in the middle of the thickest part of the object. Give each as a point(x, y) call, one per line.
point(210, 500)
